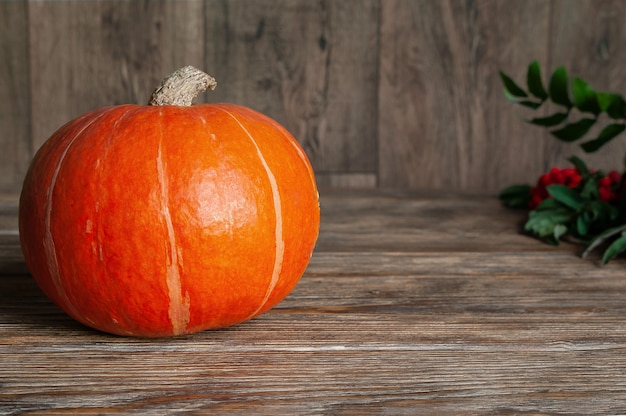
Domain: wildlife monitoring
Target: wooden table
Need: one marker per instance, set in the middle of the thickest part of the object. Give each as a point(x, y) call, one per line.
point(413, 303)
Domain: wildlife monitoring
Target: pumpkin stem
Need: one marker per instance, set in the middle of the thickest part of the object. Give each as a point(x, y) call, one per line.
point(182, 86)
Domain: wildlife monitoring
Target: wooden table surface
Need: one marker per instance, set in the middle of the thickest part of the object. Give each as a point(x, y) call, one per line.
point(413, 303)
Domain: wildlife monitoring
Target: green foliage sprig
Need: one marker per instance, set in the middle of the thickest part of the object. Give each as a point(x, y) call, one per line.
point(588, 103)
point(581, 211)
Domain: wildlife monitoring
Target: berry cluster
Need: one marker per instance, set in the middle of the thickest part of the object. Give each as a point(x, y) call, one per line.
point(609, 186)
point(569, 177)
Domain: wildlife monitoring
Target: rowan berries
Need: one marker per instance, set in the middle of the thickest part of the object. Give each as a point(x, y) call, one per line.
point(569, 177)
point(610, 186)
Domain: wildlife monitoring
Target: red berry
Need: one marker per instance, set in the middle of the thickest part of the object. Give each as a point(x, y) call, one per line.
point(605, 194)
point(569, 172)
point(574, 181)
point(535, 201)
point(615, 176)
point(556, 176)
point(605, 182)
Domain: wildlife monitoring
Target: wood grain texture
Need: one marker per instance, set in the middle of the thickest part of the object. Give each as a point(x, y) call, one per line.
point(413, 303)
point(347, 180)
point(86, 55)
point(393, 93)
point(14, 95)
point(443, 121)
point(311, 65)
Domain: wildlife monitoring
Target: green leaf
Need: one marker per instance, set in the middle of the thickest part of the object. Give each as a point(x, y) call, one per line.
point(603, 237)
point(606, 135)
point(580, 166)
point(574, 131)
point(516, 196)
point(605, 99)
point(600, 214)
point(591, 214)
point(589, 187)
point(585, 97)
point(558, 88)
point(530, 104)
point(535, 85)
point(566, 196)
point(581, 225)
point(614, 105)
point(511, 90)
point(559, 231)
point(549, 121)
point(618, 246)
point(543, 222)
point(548, 204)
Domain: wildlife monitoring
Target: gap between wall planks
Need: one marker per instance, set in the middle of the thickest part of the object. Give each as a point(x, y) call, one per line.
point(392, 93)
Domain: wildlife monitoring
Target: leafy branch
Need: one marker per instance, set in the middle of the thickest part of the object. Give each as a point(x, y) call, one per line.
point(590, 106)
point(587, 205)
point(579, 212)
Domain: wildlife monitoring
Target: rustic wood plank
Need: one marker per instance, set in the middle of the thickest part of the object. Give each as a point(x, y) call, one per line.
point(86, 55)
point(14, 96)
point(589, 39)
point(11, 258)
point(403, 221)
point(347, 180)
point(312, 66)
point(434, 329)
point(443, 121)
point(326, 362)
point(418, 99)
point(322, 350)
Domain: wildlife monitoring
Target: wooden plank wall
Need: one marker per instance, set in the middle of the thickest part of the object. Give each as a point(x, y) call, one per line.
point(381, 93)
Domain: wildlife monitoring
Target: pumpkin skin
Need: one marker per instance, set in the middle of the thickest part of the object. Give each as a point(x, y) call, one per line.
point(156, 221)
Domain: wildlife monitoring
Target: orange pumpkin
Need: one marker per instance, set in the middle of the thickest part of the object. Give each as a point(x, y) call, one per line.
point(170, 218)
